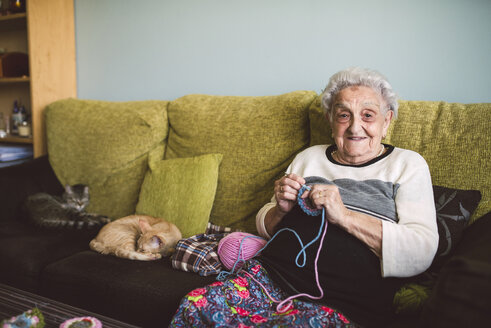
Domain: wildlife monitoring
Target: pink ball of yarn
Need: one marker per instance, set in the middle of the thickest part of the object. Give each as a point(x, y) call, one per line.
point(229, 248)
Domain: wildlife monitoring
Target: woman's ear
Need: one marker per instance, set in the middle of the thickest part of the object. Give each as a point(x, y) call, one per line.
point(387, 120)
point(328, 117)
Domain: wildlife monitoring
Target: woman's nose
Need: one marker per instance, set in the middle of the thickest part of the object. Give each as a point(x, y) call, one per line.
point(355, 125)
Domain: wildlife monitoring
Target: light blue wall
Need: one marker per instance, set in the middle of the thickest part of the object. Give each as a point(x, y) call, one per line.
point(163, 49)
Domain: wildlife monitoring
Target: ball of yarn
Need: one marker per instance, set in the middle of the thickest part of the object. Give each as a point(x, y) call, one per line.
point(86, 322)
point(239, 246)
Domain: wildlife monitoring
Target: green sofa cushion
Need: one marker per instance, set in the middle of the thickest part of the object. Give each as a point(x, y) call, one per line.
point(453, 138)
point(258, 137)
point(455, 141)
point(106, 145)
point(320, 130)
point(182, 191)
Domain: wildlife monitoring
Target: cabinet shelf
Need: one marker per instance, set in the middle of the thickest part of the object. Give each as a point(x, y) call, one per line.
point(12, 21)
point(6, 80)
point(16, 139)
point(52, 64)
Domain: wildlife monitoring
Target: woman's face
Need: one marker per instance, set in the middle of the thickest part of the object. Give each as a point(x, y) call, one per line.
point(358, 124)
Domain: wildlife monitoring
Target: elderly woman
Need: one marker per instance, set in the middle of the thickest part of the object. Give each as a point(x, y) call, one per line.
point(378, 203)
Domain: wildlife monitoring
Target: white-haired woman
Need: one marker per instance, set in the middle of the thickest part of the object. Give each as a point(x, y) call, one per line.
point(378, 201)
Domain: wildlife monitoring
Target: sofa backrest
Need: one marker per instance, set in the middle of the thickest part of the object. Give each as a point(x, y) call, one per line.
point(258, 138)
point(455, 140)
point(106, 146)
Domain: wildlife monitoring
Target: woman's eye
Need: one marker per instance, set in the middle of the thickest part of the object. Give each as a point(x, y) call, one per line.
point(343, 117)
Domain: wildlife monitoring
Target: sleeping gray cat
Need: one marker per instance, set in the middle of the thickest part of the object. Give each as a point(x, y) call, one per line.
point(67, 211)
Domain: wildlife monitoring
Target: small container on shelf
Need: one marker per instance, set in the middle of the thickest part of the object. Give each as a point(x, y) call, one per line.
point(24, 129)
point(16, 118)
point(3, 126)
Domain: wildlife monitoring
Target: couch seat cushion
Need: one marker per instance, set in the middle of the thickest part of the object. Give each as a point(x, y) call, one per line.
point(146, 294)
point(258, 137)
point(27, 250)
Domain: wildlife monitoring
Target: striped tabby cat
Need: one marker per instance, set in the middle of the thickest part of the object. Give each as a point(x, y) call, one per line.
point(137, 237)
point(67, 211)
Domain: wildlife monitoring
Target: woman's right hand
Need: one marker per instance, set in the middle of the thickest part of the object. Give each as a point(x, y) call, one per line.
point(286, 190)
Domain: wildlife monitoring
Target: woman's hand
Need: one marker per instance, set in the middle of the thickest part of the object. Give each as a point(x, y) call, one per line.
point(286, 191)
point(364, 227)
point(328, 197)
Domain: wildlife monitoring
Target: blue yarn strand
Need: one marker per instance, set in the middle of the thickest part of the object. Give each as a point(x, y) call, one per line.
point(312, 212)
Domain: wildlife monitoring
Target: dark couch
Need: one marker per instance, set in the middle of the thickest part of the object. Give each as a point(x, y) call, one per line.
point(58, 264)
point(90, 141)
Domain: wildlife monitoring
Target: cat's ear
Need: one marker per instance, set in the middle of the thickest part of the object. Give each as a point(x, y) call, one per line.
point(144, 225)
point(68, 189)
point(86, 190)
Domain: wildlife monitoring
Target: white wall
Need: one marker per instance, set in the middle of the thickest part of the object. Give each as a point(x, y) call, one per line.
point(163, 49)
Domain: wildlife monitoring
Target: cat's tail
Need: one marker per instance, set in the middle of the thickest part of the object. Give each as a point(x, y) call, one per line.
point(134, 255)
point(86, 222)
point(122, 252)
point(71, 224)
point(96, 246)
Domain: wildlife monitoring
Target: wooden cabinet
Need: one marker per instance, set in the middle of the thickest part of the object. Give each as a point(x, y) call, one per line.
point(47, 33)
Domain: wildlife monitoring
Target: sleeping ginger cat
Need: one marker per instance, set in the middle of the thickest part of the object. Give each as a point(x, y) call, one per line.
point(137, 237)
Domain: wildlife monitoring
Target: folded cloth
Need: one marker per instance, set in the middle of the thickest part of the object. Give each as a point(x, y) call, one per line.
point(15, 152)
point(199, 253)
point(249, 299)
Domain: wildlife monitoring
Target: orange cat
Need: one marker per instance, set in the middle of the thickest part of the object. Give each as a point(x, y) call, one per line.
point(137, 237)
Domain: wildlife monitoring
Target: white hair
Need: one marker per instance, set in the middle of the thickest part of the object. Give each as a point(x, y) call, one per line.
point(356, 76)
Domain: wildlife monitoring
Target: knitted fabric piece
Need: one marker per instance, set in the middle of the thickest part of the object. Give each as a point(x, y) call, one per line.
point(304, 203)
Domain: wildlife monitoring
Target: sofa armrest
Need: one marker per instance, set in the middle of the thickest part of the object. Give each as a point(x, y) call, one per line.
point(460, 297)
point(19, 181)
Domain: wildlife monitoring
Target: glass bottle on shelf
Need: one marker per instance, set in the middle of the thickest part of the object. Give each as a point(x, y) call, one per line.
point(3, 125)
point(16, 118)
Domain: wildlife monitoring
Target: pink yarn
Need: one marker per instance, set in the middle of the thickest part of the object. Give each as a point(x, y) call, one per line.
point(239, 246)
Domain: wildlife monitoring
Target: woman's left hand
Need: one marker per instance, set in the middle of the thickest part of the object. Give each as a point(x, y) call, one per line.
point(364, 227)
point(328, 197)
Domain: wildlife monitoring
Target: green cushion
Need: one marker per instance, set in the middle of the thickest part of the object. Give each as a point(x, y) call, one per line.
point(181, 191)
point(320, 130)
point(258, 137)
point(106, 145)
point(410, 298)
point(455, 141)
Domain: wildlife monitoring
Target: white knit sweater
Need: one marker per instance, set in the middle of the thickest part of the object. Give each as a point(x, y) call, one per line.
point(396, 188)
